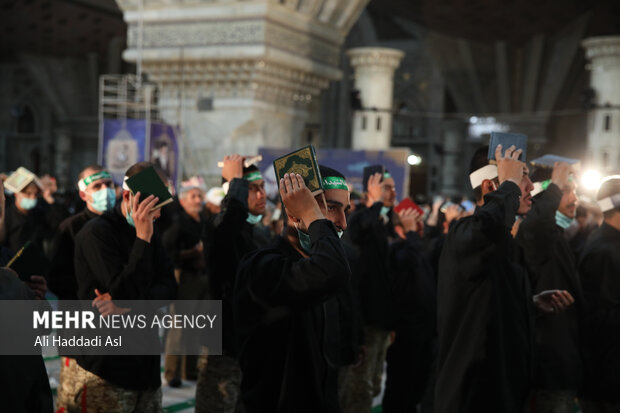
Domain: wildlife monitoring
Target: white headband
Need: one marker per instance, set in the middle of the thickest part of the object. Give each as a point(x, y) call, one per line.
point(125, 186)
point(486, 172)
point(609, 203)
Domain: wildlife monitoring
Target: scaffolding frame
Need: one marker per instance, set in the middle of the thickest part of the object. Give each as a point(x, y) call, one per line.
point(123, 97)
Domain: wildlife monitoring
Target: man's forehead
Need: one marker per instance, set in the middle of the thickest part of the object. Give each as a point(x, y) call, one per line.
point(388, 181)
point(337, 196)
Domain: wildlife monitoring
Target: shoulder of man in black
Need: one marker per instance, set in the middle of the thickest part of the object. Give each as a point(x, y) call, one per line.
point(279, 276)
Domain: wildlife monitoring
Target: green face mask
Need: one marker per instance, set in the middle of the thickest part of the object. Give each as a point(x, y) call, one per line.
point(304, 240)
point(253, 219)
point(562, 220)
point(28, 203)
point(129, 218)
point(384, 211)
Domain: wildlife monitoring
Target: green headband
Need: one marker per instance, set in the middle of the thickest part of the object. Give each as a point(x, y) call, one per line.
point(92, 178)
point(334, 182)
point(253, 176)
point(545, 184)
point(386, 175)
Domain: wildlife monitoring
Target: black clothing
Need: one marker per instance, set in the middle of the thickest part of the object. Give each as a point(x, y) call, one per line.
point(410, 357)
point(552, 265)
point(183, 235)
point(231, 238)
point(61, 276)
point(37, 226)
point(485, 313)
point(370, 235)
point(599, 268)
point(23, 379)
point(109, 257)
point(287, 320)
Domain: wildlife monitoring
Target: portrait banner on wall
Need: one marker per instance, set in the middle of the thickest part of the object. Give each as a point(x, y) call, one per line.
point(350, 163)
point(122, 145)
point(164, 149)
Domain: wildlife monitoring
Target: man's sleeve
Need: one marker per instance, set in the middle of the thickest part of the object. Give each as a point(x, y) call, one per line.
point(538, 231)
point(472, 240)
point(299, 284)
point(363, 222)
point(602, 298)
point(97, 257)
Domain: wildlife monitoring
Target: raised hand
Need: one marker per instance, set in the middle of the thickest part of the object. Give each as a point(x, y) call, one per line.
point(375, 191)
point(561, 173)
point(509, 168)
point(298, 199)
point(143, 216)
point(410, 218)
point(233, 167)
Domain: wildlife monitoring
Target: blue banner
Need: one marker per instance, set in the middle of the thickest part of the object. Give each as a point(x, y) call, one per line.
point(123, 145)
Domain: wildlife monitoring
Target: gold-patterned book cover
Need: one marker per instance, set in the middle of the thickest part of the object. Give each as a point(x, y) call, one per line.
point(302, 162)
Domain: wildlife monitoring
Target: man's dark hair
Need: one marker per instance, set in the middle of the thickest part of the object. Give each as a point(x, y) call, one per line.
point(327, 171)
point(609, 188)
point(141, 166)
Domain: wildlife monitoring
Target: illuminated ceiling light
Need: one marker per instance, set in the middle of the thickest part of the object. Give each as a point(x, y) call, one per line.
point(414, 160)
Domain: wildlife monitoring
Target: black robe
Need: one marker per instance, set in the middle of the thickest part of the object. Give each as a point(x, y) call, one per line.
point(231, 237)
point(485, 313)
point(370, 235)
point(61, 276)
point(599, 269)
point(287, 320)
point(109, 257)
point(552, 265)
point(410, 356)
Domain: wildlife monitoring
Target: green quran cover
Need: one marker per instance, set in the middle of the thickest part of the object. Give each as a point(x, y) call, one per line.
point(302, 162)
point(147, 182)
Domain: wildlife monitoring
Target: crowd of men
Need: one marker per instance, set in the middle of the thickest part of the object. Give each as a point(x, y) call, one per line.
point(511, 306)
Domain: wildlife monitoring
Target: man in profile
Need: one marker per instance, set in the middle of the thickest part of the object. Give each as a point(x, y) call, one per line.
point(119, 256)
point(485, 311)
point(287, 315)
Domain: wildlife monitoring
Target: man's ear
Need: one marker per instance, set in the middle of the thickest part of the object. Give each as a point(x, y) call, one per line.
point(83, 196)
point(487, 186)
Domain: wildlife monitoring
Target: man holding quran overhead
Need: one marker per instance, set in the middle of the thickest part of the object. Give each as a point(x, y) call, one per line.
point(234, 232)
point(286, 312)
point(118, 256)
point(485, 308)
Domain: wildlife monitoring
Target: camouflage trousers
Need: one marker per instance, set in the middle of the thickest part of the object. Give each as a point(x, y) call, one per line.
point(81, 391)
point(219, 385)
point(359, 384)
point(552, 401)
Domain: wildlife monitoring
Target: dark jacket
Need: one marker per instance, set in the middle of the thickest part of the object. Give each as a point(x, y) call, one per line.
point(183, 235)
point(599, 269)
point(370, 234)
point(231, 237)
point(61, 276)
point(109, 257)
point(552, 265)
point(485, 313)
point(288, 320)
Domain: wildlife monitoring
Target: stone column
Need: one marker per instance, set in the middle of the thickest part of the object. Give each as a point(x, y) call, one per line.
point(604, 119)
point(237, 74)
point(452, 162)
point(374, 79)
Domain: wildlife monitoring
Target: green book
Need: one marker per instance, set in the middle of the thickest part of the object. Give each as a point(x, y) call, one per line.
point(148, 183)
point(302, 162)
